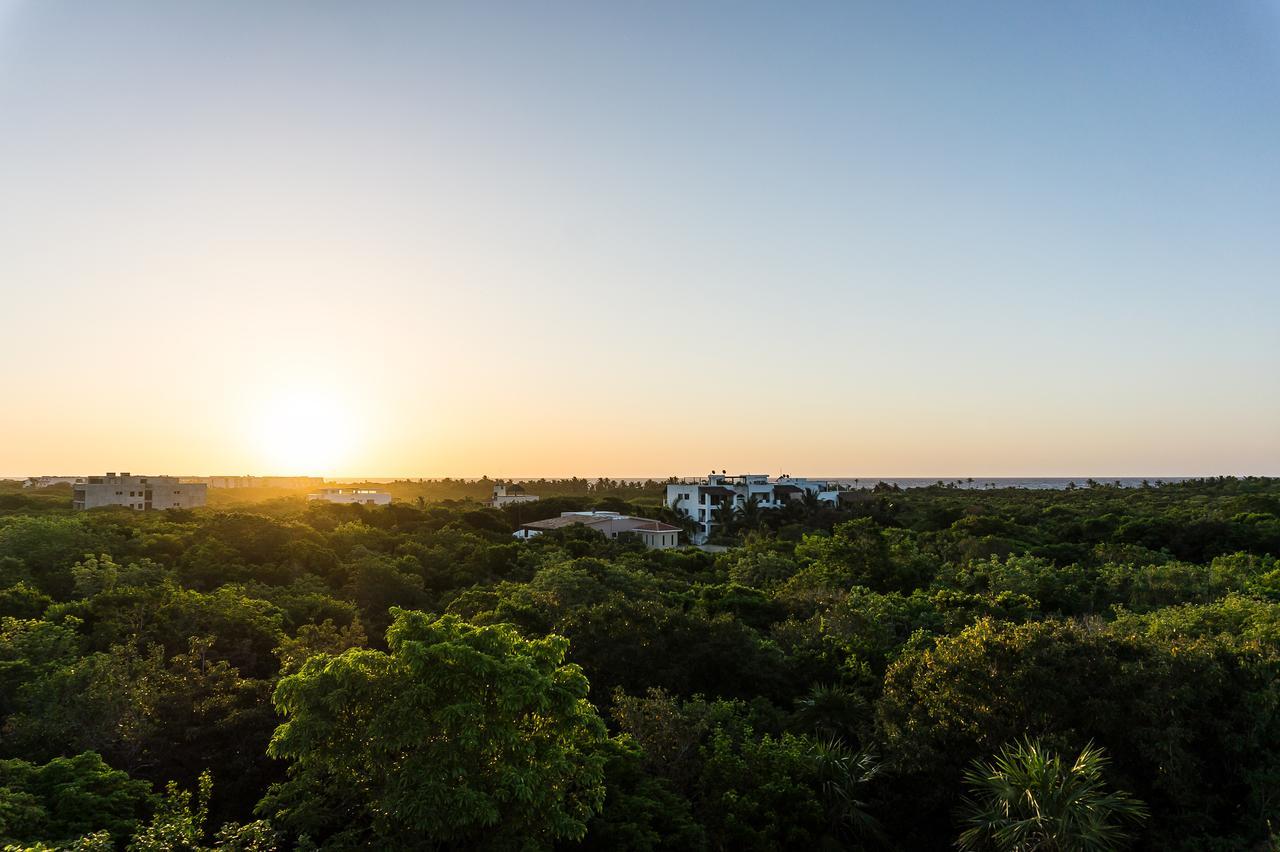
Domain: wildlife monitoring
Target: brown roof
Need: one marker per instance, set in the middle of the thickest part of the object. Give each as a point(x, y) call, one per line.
point(625, 523)
point(654, 526)
point(567, 521)
point(718, 490)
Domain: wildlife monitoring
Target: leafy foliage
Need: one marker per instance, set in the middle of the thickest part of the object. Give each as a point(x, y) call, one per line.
point(436, 682)
point(66, 798)
point(460, 734)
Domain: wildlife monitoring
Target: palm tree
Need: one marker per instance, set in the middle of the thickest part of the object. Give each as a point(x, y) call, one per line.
point(1027, 799)
point(832, 712)
point(671, 515)
point(809, 499)
point(845, 774)
point(749, 513)
point(727, 514)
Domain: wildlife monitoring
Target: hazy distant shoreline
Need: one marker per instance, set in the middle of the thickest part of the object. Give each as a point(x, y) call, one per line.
point(1029, 482)
point(977, 482)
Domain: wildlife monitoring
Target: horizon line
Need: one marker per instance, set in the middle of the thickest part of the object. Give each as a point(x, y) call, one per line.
point(664, 477)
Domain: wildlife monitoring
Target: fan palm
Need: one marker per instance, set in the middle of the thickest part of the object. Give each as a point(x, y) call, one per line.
point(749, 513)
point(1028, 798)
point(845, 774)
point(832, 711)
point(727, 515)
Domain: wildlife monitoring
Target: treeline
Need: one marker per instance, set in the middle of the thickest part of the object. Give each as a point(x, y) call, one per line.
point(921, 668)
point(479, 490)
point(648, 492)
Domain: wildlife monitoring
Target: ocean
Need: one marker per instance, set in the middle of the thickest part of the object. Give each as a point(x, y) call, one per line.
point(984, 482)
point(977, 482)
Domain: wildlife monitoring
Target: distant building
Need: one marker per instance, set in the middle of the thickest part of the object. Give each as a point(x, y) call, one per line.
point(137, 492)
point(46, 481)
point(654, 534)
point(703, 501)
point(505, 495)
point(367, 497)
point(292, 482)
point(847, 497)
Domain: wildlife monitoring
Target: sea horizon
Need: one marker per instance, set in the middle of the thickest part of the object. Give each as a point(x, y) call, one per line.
point(976, 482)
point(866, 482)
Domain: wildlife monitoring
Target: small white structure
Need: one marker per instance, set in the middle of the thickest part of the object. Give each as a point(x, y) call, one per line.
point(840, 497)
point(654, 534)
point(46, 481)
point(367, 497)
point(502, 496)
point(704, 501)
point(140, 493)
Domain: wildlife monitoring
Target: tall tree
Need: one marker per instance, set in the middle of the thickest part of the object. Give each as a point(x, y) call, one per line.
point(460, 736)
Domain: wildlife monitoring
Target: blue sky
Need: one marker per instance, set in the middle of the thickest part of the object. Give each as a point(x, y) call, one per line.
point(580, 238)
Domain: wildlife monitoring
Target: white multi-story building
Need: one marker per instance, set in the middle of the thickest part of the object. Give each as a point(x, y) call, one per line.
point(505, 496)
point(704, 501)
point(137, 492)
point(654, 534)
point(367, 497)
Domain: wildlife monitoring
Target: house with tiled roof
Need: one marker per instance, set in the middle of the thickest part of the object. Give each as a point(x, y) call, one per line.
point(612, 525)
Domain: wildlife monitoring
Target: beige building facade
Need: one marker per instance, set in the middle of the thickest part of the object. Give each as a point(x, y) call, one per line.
point(140, 493)
point(507, 495)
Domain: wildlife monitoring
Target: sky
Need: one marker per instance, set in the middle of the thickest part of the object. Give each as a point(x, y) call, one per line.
point(640, 239)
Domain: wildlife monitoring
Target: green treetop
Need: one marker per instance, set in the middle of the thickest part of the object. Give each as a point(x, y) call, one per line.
point(460, 736)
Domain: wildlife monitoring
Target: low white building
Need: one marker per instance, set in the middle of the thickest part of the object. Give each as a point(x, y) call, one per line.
point(843, 497)
point(46, 481)
point(504, 495)
point(367, 497)
point(137, 492)
point(654, 534)
point(704, 501)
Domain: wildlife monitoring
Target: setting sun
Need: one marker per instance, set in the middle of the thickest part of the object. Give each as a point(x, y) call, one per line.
point(303, 431)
